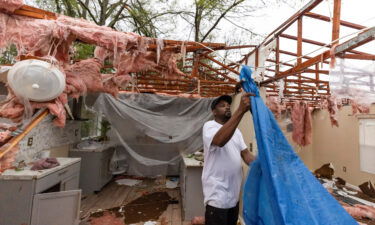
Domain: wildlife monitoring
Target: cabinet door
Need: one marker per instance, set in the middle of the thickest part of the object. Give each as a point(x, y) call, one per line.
point(105, 174)
point(70, 183)
point(57, 208)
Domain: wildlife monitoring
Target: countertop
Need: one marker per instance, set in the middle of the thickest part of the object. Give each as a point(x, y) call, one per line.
point(28, 174)
point(102, 148)
point(191, 162)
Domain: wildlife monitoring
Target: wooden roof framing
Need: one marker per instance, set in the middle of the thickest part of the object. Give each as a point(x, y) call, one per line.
point(208, 76)
point(205, 75)
point(300, 86)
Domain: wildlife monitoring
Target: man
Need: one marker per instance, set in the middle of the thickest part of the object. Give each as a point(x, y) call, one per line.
point(222, 171)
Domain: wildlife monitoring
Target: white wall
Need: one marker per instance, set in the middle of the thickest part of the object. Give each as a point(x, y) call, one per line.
point(330, 144)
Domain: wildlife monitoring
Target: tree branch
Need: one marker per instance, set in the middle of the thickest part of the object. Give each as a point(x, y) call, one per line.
point(117, 16)
point(88, 10)
point(221, 17)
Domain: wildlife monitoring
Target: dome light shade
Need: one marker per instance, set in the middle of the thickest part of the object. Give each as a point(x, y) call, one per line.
point(36, 80)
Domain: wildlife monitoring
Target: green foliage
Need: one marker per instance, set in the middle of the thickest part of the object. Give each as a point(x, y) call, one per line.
point(105, 127)
point(83, 51)
point(8, 55)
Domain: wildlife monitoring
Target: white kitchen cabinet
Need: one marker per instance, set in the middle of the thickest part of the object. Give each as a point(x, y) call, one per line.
point(38, 197)
point(191, 188)
point(95, 171)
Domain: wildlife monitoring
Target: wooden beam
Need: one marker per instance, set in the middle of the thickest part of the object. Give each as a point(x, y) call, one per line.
point(307, 81)
point(360, 57)
point(299, 45)
point(15, 140)
point(280, 29)
point(277, 55)
point(35, 13)
point(294, 54)
point(359, 40)
point(298, 68)
point(185, 81)
point(336, 21)
point(222, 64)
point(307, 8)
point(305, 71)
point(291, 37)
point(238, 47)
point(218, 72)
point(317, 76)
point(195, 71)
point(327, 19)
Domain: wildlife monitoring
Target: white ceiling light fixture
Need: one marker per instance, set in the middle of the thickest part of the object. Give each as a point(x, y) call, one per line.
point(36, 80)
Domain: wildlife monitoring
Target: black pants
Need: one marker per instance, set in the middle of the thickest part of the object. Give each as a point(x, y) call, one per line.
point(217, 216)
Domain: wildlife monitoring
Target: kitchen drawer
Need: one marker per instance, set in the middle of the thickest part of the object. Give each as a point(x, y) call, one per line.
point(56, 177)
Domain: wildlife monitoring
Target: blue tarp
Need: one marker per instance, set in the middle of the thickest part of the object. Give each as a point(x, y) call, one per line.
point(279, 189)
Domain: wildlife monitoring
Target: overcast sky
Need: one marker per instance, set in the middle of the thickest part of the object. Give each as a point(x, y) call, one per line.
point(266, 19)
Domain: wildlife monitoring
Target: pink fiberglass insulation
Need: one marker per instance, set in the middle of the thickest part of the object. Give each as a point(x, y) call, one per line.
point(5, 136)
point(53, 39)
point(85, 76)
point(275, 106)
point(333, 109)
point(8, 159)
point(81, 77)
point(359, 108)
point(41, 38)
point(35, 36)
point(302, 123)
point(13, 109)
point(333, 106)
point(142, 60)
point(45, 163)
point(10, 5)
point(361, 211)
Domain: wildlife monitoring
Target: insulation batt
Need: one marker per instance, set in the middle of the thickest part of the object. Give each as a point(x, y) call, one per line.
point(333, 106)
point(45, 163)
point(302, 127)
point(13, 109)
point(53, 39)
point(274, 105)
point(333, 109)
point(10, 5)
point(8, 159)
point(42, 38)
point(359, 108)
point(5, 133)
point(361, 211)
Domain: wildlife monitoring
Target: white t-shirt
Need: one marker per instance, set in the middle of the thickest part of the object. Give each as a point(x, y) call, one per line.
point(222, 170)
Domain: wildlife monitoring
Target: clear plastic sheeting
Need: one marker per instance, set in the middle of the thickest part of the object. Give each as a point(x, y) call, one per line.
point(353, 79)
point(154, 129)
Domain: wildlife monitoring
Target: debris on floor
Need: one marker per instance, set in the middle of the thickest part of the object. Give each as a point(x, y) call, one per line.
point(198, 155)
point(106, 218)
point(326, 171)
point(147, 208)
point(171, 183)
point(368, 189)
point(128, 182)
point(357, 204)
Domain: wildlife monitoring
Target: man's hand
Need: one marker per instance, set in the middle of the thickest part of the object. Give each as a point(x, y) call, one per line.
point(245, 102)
